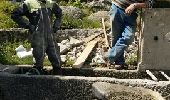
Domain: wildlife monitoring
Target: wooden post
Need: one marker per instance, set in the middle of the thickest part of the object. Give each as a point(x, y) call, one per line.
point(105, 35)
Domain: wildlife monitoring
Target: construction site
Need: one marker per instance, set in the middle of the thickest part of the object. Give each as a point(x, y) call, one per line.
point(89, 77)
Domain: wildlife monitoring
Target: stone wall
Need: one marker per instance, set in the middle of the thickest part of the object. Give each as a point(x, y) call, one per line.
point(13, 35)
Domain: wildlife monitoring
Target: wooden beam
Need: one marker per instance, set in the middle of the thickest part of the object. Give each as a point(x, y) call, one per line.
point(80, 60)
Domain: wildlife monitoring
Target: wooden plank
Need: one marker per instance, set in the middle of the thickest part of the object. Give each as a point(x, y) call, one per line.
point(91, 37)
point(80, 60)
point(151, 75)
point(166, 76)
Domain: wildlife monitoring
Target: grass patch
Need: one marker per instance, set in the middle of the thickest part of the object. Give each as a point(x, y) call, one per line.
point(132, 60)
point(6, 9)
point(8, 54)
point(69, 22)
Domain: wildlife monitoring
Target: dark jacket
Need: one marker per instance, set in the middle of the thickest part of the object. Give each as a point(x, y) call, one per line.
point(34, 10)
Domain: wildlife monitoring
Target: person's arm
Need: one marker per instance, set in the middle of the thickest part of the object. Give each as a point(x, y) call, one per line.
point(132, 7)
point(58, 16)
point(17, 16)
point(139, 5)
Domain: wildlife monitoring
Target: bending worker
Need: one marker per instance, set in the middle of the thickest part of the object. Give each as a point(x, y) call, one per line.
point(39, 14)
point(123, 17)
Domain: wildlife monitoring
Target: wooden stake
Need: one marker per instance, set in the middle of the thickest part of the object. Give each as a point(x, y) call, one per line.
point(105, 35)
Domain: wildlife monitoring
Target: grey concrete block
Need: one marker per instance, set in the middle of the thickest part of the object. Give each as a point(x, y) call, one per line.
point(155, 40)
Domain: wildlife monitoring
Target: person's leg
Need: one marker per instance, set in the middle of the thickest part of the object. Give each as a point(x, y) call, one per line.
point(39, 57)
point(117, 27)
point(53, 52)
point(39, 48)
point(126, 39)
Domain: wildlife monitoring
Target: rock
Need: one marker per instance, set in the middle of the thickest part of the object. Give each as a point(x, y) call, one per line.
point(100, 5)
point(98, 59)
point(75, 42)
point(74, 12)
point(64, 48)
point(63, 58)
point(99, 15)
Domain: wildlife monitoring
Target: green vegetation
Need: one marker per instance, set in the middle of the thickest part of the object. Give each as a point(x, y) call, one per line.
point(6, 9)
point(68, 62)
point(5, 13)
point(8, 54)
point(75, 3)
point(132, 60)
point(70, 23)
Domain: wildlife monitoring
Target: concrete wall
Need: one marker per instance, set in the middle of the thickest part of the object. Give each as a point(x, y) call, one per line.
point(155, 43)
point(23, 87)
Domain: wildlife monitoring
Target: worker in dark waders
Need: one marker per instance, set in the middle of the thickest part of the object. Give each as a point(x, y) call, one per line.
point(39, 14)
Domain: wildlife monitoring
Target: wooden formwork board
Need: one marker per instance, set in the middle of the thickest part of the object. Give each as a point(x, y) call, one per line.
point(80, 60)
